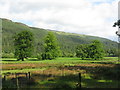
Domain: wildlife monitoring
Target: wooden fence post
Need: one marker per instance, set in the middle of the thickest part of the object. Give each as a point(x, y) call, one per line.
point(26, 75)
point(17, 81)
point(15, 75)
point(29, 75)
point(79, 80)
point(4, 78)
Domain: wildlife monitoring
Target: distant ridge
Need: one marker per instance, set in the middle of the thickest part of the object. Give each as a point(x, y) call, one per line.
point(67, 41)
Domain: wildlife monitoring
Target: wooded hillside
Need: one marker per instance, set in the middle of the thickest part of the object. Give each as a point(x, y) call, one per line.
point(67, 41)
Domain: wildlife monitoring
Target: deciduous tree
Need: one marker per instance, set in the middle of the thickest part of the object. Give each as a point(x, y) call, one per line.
point(96, 50)
point(23, 43)
point(81, 51)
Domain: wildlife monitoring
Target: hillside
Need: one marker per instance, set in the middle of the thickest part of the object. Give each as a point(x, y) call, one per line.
point(67, 41)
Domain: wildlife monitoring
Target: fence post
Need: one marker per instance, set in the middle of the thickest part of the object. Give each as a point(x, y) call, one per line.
point(15, 75)
point(17, 81)
point(26, 75)
point(29, 75)
point(4, 77)
point(79, 80)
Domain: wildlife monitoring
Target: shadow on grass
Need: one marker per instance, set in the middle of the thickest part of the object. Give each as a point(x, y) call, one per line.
point(51, 82)
point(12, 84)
point(57, 82)
point(10, 60)
point(29, 59)
point(97, 80)
point(33, 59)
point(102, 73)
point(70, 81)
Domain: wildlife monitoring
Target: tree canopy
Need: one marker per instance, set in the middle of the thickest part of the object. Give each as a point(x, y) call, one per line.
point(93, 50)
point(96, 50)
point(81, 51)
point(52, 50)
point(23, 43)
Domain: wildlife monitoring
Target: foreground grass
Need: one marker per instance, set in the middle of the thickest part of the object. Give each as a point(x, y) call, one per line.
point(62, 72)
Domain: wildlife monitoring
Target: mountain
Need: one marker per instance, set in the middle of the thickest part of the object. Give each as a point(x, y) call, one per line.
point(67, 41)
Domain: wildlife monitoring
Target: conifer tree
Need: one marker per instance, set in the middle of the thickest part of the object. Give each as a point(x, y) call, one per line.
point(52, 50)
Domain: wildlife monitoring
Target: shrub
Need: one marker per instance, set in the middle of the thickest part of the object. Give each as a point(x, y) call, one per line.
point(39, 56)
point(47, 56)
point(7, 55)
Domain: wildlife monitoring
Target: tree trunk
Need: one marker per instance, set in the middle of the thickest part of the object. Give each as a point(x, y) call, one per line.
point(22, 59)
point(18, 59)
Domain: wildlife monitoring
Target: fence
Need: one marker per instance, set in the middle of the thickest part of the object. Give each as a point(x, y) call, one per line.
point(28, 76)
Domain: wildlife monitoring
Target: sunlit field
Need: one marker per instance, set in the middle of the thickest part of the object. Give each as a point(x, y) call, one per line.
point(62, 72)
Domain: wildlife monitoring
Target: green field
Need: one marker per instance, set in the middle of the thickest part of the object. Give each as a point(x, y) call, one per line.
point(61, 73)
point(65, 60)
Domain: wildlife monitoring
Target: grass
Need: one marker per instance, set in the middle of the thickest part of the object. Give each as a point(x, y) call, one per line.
point(60, 60)
point(21, 71)
point(63, 72)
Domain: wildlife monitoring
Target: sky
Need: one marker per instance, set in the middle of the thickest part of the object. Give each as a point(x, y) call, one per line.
point(90, 17)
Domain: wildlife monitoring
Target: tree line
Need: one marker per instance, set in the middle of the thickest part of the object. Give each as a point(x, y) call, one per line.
point(93, 50)
point(67, 41)
point(23, 43)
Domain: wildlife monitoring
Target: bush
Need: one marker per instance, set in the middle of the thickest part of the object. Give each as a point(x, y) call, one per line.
point(67, 54)
point(39, 56)
point(71, 55)
point(47, 56)
point(7, 55)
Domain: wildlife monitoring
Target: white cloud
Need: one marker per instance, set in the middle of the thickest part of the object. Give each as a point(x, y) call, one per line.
point(76, 16)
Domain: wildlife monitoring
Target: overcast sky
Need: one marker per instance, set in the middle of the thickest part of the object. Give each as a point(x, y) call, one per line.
point(91, 17)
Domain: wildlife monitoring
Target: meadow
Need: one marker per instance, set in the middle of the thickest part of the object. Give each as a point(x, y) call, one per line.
point(62, 73)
